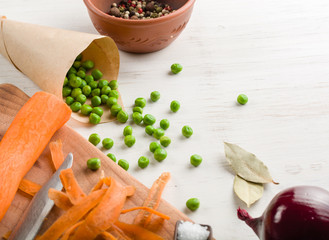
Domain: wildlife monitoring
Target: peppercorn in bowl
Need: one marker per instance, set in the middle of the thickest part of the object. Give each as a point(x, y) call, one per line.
point(140, 26)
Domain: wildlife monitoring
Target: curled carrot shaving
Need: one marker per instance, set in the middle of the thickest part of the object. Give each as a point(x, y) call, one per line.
point(57, 155)
point(7, 235)
point(73, 189)
point(150, 210)
point(130, 190)
point(98, 185)
point(108, 236)
point(138, 232)
point(60, 199)
point(69, 231)
point(29, 187)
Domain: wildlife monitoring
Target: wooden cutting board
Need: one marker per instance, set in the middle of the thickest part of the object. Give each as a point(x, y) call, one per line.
point(11, 100)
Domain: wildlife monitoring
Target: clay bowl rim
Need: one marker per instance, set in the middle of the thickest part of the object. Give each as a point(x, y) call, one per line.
point(188, 4)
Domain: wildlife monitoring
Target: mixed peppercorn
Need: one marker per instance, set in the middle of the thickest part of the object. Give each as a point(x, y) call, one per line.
point(145, 9)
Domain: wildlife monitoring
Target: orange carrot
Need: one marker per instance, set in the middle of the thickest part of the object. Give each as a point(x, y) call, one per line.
point(29, 187)
point(152, 200)
point(137, 232)
point(57, 155)
point(73, 215)
point(60, 199)
point(98, 185)
point(69, 231)
point(72, 187)
point(147, 209)
point(31, 130)
point(7, 235)
point(108, 236)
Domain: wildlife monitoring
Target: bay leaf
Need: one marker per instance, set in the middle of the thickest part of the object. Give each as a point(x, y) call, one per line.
point(248, 192)
point(246, 164)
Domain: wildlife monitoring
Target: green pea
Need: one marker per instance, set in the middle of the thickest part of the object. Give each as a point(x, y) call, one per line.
point(86, 109)
point(94, 118)
point(82, 69)
point(81, 74)
point(160, 154)
point(88, 64)
point(79, 57)
point(96, 92)
point(98, 111)
point(154, 146)
point(93, 84)
point(187, 131)
point(83, 84)
point(112, 157)
point(114, 93)
point(75, 82)
point(124, 164)
point(149, 129)
point(149, 119)
point(242, 99)
point(128, 130)
point(137, 117)
point(86, 90)
point(165, 141)
point(89, 79)
point(94, 138)
point(195, 160)
point(77, 64)
point(81, 98)
point(140, 102)
point(96, 101)
point(122, 116)
point(76, 92)
point(176, 68)
point(114, 84)
point(115, 109)
point(75, 107)
point(129, 140)
point(138, 109)
point(193, 204)
point(66, 82)
point(94, 163)
point(69, 100)
point(71, 70)
point(97, 74)
point(70, 76)
point(105, 90)
point(158, 133)
point(143, 162)
point(155, 96)
point(107, 143)
point(104, 98)
point(66, 91)
point(164, 124)
point(111, 101)
point(174, 106)
point(102, 83)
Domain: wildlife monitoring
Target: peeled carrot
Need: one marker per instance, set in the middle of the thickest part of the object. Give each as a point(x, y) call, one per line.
point(69, 231)
point(60, 199)
point(7, 235)
point(108, 236)
point(29, 187)
point(138, 232)
point(147, 209)
point(72, 187)
point(27, 136)
point(57, 155)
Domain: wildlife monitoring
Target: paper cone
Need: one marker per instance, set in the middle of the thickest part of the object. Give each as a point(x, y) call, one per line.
point(45, 54)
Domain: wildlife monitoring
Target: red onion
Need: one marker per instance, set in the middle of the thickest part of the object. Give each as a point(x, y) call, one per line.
point(297, 213)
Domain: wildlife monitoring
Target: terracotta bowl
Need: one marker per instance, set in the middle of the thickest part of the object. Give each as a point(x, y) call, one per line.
point(140, 36)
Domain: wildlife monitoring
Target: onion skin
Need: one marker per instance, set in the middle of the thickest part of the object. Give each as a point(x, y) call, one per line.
point(297, 213)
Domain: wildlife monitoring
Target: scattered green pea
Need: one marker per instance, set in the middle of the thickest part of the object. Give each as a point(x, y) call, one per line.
point(129, 140)
point(97, 74)
point(164, 124)
point(149, 129)
point(102, 83)
point(75, 82)
point(193, 204)
point(140, 102)
point(86, 90)
point(81, 98)
point(96, 101)
point(107, 143)
point(165, 141)
point(66, 91)
point(149, 119)
point(114, 93)
point(138, 109)
point(158, 133)
point(81, 74)
point(94, 138)
point(195, 160)
point(75, 107)
point(77, 64)
point(114, 84)
point(122, 116)
point(105, 90)
point(93, 84)
point(115, 109)
point(96, 92)
point(128, 130)
point(104, 98)
point(155, 96)
point(86, 109)
point(154, 146)
point(88, 64)
point(143, 162)
point(112, 157)
point(69, 100)
point(137, 117)
point(174, 106)
point(124, 164)
point(160, 154)
point(242, 99)
point(98, 110)
point(76, 92)
point(187, 131)
point(111, 101)
point(94, 118)
point(176, 68)
point(94, 163)
point(89, 78)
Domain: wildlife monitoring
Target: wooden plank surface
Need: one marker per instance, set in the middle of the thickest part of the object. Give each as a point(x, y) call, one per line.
point(11, 100)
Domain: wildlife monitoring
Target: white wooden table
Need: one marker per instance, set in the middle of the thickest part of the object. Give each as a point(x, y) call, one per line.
point(276, 52)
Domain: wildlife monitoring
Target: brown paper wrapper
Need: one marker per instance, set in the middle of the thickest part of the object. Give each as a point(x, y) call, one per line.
point(45, 54)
